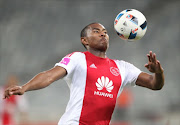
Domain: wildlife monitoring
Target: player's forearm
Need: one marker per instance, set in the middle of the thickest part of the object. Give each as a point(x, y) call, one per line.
point(158, 81)
point(40, 81)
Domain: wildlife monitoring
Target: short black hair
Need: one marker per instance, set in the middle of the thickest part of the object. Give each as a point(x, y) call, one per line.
point(84, 30)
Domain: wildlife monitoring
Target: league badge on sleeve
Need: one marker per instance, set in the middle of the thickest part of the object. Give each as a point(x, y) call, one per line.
point(65, 61)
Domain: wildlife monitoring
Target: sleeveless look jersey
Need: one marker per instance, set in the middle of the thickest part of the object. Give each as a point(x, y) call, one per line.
point(95, 83)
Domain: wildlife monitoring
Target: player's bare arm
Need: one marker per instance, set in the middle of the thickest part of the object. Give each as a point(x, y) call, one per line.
point(155, 81)
point(40, 81)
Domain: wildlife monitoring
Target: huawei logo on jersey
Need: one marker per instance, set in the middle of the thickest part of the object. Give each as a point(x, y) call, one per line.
point(104, 83)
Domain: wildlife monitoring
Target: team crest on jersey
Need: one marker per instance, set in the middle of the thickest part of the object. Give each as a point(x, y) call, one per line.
point(104, 83)
point(114, 71)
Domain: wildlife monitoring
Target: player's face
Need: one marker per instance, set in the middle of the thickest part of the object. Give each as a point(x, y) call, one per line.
point(97, 37)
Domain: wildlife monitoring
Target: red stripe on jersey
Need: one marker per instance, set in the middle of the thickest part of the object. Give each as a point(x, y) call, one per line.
point(102, 86)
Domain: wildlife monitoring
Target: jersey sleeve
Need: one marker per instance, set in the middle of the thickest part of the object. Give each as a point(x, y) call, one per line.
point(69, 62)
point(131, 74)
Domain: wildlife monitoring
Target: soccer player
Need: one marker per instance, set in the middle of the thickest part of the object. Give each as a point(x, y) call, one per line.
point(95, 81)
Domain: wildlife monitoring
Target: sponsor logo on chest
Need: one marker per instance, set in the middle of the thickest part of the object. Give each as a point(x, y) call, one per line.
point(104, 87)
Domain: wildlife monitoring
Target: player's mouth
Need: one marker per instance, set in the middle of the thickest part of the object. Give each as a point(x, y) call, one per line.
point(103, 39)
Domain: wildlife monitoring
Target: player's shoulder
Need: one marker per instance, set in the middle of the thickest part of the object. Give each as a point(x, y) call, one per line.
point(74, 54)
point(122, 63)
point(119, 61)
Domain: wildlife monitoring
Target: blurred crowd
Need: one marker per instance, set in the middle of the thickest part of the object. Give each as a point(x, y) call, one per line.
point(13, 111)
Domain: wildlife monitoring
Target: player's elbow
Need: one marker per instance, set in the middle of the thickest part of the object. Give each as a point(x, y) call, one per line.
point(158, 87)
point(49, 79)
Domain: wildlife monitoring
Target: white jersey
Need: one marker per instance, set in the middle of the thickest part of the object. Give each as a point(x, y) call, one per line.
point(95, 83)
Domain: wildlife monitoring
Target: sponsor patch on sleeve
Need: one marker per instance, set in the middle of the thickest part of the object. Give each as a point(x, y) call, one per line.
point(65, 61)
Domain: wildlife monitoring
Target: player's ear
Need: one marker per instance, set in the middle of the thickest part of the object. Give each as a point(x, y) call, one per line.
point(84, 41)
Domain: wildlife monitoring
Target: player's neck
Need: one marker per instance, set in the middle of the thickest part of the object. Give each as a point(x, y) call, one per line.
point(98, 53)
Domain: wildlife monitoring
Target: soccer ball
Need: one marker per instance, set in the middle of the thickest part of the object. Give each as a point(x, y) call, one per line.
point(130, 24)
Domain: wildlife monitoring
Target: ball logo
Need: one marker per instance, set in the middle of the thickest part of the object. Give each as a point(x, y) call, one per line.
point(129, 16)
point(104, 82)
point(135, 30)
point(116, 21)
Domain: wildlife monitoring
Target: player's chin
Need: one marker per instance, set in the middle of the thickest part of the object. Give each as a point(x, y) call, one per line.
point(103, 47)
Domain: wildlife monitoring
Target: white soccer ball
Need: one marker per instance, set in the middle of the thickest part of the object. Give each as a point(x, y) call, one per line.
point(130, 24)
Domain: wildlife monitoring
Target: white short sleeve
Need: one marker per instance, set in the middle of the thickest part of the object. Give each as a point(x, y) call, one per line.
point(129, 73)
point(70, 62)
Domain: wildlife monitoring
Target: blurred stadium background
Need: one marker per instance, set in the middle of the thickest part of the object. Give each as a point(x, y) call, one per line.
point(35, 34)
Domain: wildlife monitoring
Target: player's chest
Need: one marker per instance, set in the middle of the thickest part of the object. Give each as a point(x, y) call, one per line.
point(103, 75)
point(97, 69)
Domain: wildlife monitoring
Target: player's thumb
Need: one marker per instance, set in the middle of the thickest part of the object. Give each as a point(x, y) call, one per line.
point(146, 65)
point(16, 92)
point(10, 93)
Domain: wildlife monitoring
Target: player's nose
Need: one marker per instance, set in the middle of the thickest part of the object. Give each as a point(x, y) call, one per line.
point(102, 34)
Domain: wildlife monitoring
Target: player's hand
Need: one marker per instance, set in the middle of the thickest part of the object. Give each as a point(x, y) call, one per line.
point(13, 90)
point(153, 64)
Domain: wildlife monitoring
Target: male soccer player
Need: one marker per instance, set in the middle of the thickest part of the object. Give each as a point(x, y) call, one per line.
point(95, 80)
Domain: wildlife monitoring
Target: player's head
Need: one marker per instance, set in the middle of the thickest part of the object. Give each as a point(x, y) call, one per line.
point(94, 36)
